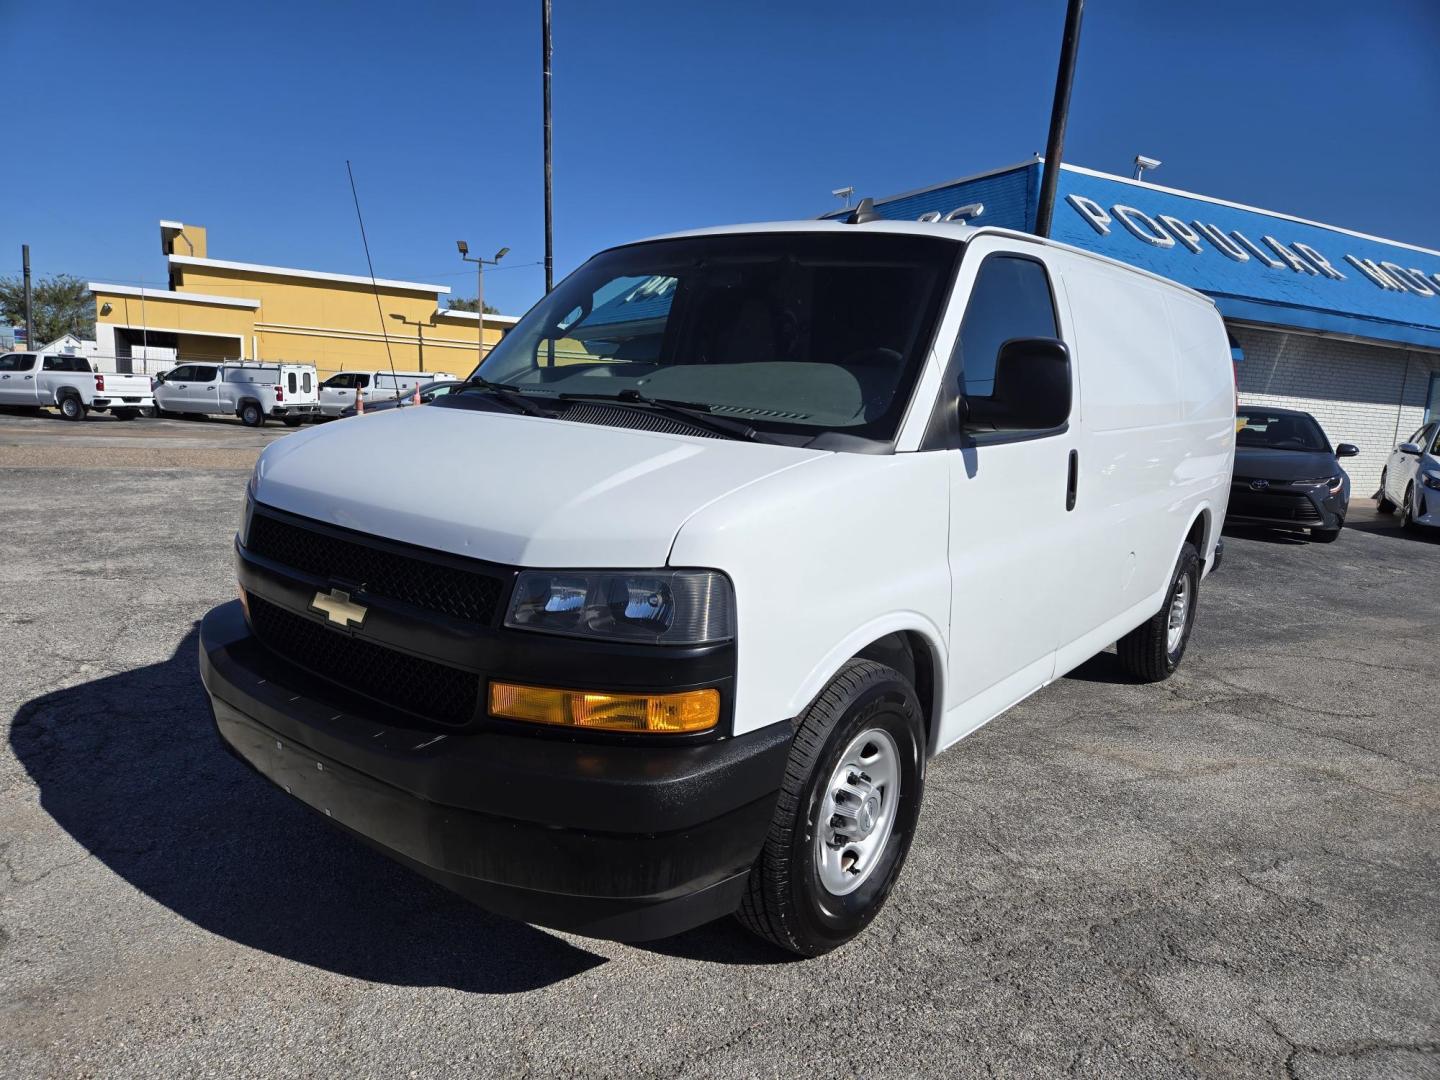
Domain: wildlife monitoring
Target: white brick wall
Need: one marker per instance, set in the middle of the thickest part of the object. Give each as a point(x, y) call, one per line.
point(1355, 391)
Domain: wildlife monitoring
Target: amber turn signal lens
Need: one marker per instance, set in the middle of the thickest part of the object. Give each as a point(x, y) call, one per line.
point(691, 710)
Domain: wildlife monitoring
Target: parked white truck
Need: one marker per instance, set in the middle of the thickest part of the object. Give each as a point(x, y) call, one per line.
point(338, 392)
point(744, 526)
point(252, 391)
point(69, 383)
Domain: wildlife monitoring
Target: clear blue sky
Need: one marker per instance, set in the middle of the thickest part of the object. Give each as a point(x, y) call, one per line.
point(670, 115)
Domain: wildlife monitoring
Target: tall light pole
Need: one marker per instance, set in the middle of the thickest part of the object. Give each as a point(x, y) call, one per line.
point(549, 170)
point(419, 333)
point(480, 264)
point(1059, 117)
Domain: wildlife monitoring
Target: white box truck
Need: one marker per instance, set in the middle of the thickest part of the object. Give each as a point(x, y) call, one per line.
point(743, 527)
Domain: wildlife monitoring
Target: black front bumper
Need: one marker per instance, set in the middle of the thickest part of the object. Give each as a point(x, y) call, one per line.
point(1286, 507)
point(629, 842)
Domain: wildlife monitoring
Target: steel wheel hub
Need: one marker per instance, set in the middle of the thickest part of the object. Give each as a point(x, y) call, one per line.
point(1179, 612)
point(857, 813)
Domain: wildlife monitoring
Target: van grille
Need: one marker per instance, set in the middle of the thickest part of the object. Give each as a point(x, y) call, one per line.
point(433, 691)
point(461, 594)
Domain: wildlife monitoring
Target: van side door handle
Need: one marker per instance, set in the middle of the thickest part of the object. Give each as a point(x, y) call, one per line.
point(1073, 481)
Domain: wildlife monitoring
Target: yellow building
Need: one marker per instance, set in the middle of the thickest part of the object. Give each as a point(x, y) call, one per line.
point(220, 310)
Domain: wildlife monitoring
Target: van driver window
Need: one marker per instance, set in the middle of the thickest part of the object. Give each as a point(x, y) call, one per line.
point(1010, 299)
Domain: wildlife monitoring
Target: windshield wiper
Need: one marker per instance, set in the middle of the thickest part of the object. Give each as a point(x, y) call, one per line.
point(516, 400)
point(693, 412)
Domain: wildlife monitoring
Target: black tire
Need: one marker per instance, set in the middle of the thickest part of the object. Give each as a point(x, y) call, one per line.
point(1407, 509)
point(293, 421)
point(1383, 504)
point(72, 408)
point(250, 415)
point(1325, 536)
point(1145, 653)
point(126, 414)
point(150, 412)
point(785, 901)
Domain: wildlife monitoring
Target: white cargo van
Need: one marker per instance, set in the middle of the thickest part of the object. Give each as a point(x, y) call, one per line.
point(337, 393)
point(745, 526)
point(252, 391)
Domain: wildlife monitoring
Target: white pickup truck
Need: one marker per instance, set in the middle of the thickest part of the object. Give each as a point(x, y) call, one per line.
point(33, 380)
point(253, 392)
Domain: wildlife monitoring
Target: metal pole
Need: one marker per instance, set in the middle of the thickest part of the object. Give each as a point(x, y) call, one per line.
point(29, 328)
point(420, 342)
point(549, 170)
point(1059, 115)
point(480, 303)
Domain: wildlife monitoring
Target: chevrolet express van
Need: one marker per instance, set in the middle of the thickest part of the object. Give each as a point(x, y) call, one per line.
point(738, 529)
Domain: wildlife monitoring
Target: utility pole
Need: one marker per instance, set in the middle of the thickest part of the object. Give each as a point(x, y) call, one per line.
point(549, 170)
point(29, 326)
point(1059, 116)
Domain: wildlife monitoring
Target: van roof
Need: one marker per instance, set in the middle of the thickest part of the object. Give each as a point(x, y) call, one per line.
point(949, 229)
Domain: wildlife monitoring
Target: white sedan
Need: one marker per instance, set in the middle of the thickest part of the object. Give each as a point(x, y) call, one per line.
point(1411, 480)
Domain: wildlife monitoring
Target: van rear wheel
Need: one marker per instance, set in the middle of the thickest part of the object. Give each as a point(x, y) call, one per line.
point(1153, 650)
point(72, 408)
point(250, 415)
point(845, 816)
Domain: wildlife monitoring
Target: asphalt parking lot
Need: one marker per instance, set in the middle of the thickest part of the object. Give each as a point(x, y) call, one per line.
point(1235, 873)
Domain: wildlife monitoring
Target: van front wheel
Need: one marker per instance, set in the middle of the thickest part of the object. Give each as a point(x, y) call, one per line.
point(846, 813)
point(1153, 650)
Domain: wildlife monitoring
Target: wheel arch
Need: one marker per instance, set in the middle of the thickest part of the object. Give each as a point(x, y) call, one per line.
point(908, 642)
point(240, 405)
point(1199, 532)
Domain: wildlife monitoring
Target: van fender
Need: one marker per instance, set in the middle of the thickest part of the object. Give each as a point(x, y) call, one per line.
point(1204, 510)
point(854, 642)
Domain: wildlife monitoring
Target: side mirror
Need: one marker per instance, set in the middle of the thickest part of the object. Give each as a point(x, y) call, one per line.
point(1346, 449)
point(1032, 386)
point(1413, 449)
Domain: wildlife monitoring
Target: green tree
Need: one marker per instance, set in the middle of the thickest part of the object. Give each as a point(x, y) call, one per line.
point(59, 305)
point(467, 303)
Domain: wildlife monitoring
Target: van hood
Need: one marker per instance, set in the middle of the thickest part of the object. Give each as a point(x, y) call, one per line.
point(513, 489)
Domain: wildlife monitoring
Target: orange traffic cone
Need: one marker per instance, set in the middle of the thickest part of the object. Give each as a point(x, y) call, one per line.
point(416, 399)
point(359, 401)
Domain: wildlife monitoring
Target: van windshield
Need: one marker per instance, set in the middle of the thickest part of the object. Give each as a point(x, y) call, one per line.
point(792, 333)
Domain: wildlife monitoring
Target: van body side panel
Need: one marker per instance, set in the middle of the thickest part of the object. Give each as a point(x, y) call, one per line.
point(849, 546)
point(1156, 444)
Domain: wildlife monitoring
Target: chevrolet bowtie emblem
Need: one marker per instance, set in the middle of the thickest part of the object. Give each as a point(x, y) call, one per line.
point(338, 608)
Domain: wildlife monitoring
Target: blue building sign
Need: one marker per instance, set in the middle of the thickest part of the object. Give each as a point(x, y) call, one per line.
point(1259, 266)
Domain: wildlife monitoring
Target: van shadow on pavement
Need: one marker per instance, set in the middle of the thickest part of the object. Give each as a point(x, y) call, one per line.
point(130, 766)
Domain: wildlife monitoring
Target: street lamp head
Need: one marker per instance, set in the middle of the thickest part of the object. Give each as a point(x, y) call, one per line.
point(501, 254)
point(463, 246)
point(397, 316)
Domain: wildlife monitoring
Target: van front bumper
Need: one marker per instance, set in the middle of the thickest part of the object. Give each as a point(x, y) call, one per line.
point(629, 842)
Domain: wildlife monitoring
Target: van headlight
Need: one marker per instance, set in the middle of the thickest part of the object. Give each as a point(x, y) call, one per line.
point(653, 607)
point(247, 511)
